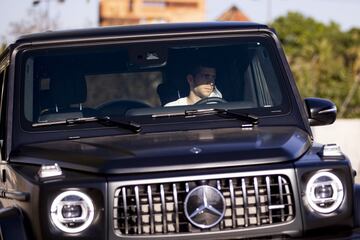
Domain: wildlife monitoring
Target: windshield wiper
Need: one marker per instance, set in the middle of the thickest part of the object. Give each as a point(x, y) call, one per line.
point(224, 113)
point(213, 111)
point(107, 121)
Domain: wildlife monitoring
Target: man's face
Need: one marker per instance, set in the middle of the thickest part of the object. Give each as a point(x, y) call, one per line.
point(204, 82)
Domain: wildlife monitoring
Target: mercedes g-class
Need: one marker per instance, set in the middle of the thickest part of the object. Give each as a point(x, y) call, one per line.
point(167, 131)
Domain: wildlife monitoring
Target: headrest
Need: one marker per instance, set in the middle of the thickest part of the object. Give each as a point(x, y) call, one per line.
point(167, 93)
point(67, 89)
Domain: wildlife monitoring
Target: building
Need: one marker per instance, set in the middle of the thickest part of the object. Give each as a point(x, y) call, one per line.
point(128, 12)
point(233, 14)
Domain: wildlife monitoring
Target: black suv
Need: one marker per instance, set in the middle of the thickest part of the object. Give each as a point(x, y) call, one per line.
point(181, 131)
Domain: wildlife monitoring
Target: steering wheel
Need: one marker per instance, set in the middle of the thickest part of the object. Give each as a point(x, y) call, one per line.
point(211, 100)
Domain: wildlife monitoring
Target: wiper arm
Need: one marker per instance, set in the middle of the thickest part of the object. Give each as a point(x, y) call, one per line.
point(224, 113)
point(241, 116)
point(107, 121)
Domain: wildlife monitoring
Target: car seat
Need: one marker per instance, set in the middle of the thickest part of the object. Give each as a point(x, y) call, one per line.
point(167, 93)
point(65, 98)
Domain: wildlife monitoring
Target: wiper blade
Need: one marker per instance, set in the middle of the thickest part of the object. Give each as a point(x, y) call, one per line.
point(224, 113)
point(107, 121)
point(253, 120)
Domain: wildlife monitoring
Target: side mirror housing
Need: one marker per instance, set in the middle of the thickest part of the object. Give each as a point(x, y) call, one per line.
point(320, 111)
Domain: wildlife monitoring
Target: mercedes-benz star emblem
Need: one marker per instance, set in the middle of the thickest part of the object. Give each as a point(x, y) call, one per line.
point(204, 206)
point(195, 150)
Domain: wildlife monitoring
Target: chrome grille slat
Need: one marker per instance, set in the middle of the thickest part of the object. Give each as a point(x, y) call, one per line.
point(257, 200)
point(163, 208)
point(125, 210)
point(218, 185)
point(244, 192)
point(187, 187)
point(281, 196)
point(176, 207)
point(288, 196)
point(151, 208)
point(233, 208)
point(267, 179)
point(138, 210)
point(157, 208)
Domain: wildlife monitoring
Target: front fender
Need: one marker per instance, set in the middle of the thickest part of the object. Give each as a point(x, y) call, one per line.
point(12, 224)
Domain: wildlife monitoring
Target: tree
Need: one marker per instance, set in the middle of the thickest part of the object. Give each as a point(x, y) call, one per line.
point(322, 58)
point(351, 104)
point(2, 47)
point(38, 21)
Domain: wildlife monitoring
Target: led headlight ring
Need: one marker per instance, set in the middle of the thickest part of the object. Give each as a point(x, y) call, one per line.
point(72, 211)
point(324, 192)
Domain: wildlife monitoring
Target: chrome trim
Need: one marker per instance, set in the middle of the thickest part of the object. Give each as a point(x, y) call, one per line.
point(185, 179)
point(245, 201)
point(268, 189)
point(281, 206)
point(138, 210)
point(203, 204)
point(176, 207)
point(289, 200)
point(133, 38)
point(243, 180)
point(163, 207)
point(218, 185)
point(116, 208)
point(233, 206)
point(151, 209)
point(257, 200)
point(280, 183)
point(123, 189)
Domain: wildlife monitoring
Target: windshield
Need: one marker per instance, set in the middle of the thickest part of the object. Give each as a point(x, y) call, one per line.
point(136, 80)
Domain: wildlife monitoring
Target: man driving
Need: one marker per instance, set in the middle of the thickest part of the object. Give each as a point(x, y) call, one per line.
point(201, 81)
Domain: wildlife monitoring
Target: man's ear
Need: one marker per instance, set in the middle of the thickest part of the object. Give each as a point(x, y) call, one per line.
point(190, 79)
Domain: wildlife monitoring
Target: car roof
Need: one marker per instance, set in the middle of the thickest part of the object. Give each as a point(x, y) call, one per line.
point(114, 31)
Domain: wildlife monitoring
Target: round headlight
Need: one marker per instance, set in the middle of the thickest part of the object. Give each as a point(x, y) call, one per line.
point(72, 211)
point(324, 192)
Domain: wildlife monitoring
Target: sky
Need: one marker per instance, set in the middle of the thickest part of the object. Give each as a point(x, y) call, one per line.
point(84, 13)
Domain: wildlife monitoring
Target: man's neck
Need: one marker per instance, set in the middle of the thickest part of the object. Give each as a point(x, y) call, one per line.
point(192, 98)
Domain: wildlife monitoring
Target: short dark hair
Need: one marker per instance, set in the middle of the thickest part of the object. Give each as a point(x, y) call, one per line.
point(196, 67)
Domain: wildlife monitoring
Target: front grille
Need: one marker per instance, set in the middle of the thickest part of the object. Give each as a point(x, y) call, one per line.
point(151, 209)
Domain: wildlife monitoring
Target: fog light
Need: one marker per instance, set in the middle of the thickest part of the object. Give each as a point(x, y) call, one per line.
point(72, 211)
point(324, 192)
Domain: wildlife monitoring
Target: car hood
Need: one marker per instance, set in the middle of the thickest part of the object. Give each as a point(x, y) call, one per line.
point(166, 151)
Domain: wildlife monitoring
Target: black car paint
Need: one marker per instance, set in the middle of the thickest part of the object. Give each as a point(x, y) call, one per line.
point(122, 36)
point(152, 151)
point(94, 161)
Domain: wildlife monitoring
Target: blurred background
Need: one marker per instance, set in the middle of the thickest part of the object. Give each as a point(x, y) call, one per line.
point(321, 39)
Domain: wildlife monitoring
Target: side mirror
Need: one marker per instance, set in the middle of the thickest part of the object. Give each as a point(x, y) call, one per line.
point(320, 111)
